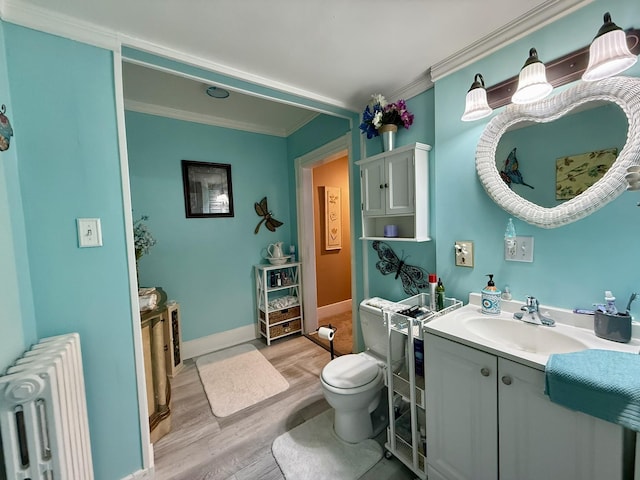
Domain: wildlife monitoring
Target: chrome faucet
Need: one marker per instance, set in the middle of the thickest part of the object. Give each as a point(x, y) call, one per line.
point(531, 314)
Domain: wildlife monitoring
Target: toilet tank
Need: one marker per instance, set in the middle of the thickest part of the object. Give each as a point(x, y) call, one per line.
point(374, 330)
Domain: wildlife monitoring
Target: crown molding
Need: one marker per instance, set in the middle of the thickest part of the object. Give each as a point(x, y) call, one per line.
point(152, 109)
point(200, 62)
point(531, 21)
point(54, 23)
point(419, 85)
point(48, 21)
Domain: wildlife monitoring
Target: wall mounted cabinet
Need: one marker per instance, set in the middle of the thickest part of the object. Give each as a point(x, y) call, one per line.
point(395, 191)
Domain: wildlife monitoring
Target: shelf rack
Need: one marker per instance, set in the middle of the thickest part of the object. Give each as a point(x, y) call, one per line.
point(275, 323)
point(404, 439)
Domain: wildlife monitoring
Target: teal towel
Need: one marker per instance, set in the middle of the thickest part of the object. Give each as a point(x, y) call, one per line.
point(601, 383)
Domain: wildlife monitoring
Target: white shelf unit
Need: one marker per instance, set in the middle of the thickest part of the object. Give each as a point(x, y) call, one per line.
point(406, 387)
point(395, 191)
point(278, 322)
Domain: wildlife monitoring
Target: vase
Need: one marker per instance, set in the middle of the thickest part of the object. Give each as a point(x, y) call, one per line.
point(388, 134)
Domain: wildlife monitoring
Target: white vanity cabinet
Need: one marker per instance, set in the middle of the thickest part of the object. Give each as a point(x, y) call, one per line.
point(395, 191)
point(488, 419)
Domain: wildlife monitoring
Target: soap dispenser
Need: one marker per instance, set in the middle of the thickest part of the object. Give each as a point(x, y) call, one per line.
point(491, 297)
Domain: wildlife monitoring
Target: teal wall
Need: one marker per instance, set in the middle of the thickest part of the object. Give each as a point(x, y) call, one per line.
point(419, 254)
point(206, 264)
point(318, 132)
point(64, 164)
point(17, 321)
point(63, 111)
point(574, 264)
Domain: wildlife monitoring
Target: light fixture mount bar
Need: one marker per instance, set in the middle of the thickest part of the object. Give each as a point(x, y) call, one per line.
point(560, 71)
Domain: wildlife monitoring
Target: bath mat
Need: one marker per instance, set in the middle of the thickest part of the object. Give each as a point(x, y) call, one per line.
point(237, 378)
point(313, 451)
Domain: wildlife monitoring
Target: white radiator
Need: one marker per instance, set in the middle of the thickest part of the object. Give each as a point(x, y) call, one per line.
point(43, 414)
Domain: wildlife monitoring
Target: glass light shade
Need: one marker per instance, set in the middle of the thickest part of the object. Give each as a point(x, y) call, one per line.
point(532, 82)
point(476, 105)
point(608, 53)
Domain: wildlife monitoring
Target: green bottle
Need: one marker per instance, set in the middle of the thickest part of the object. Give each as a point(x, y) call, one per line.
point(440, 295)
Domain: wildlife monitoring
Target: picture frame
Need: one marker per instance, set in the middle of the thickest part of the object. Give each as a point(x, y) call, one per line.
point(576, 173)
point(333, 218)
point(208, 191)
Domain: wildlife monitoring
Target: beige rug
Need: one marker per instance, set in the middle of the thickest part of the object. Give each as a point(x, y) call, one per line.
point(237, 378)
point(312, 451)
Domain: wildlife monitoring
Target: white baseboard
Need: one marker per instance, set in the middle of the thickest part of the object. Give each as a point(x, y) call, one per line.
point(334, 309)
point(218, 341)
point(146, 474)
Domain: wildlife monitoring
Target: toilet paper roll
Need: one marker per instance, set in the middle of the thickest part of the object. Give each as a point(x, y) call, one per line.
point(326, 333)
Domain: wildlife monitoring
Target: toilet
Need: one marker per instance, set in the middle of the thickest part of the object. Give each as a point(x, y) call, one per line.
point(352, 384)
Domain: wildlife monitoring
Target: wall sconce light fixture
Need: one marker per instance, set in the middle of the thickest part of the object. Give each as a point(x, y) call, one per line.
point(476, 106)
point(573, 65)
point(532, 81)
point(608, 53)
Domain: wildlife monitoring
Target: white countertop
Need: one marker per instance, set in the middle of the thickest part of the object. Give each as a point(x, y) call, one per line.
point(455, 326)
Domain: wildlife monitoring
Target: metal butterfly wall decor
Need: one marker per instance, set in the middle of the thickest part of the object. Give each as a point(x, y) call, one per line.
point(413, 278)
point(510, 172)
point(263, 211)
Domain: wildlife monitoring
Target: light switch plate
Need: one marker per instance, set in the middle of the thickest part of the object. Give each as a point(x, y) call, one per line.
point(89, 232)
point(522, 250)
point(464, 253)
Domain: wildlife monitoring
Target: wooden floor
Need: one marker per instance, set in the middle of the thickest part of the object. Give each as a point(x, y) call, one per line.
point(201, 446)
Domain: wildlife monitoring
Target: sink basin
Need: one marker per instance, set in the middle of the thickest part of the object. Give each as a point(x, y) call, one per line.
point(524, 336)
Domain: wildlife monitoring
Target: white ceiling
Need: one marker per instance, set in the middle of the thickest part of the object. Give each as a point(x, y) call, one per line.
point(336, 51)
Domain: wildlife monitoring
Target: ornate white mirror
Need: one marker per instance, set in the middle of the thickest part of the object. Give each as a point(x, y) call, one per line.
point(616, 98)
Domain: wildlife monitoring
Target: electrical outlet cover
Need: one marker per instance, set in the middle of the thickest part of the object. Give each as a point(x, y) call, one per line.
point(521, 251)
point(464, 253)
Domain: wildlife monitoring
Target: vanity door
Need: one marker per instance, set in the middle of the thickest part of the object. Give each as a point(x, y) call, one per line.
point(461, 411)
point(542, 440)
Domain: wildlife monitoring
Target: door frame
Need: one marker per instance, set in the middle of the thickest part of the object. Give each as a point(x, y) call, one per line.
point(304, 166)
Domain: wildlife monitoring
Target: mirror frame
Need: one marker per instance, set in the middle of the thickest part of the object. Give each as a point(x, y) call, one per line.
point(624, 91)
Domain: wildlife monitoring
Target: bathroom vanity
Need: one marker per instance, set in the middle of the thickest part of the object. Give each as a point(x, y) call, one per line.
point(487, 417)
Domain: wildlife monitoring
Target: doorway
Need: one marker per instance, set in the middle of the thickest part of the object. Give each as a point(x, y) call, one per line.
point(323, 181)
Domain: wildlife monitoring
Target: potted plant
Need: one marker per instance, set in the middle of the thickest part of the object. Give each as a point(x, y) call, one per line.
point(381, 117)
point(143, 240)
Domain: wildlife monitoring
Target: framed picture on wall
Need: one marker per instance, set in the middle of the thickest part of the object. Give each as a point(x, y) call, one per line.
point(333, 220)
point(207, 189)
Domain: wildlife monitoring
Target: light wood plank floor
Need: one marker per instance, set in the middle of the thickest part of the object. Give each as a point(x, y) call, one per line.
point(201, 446)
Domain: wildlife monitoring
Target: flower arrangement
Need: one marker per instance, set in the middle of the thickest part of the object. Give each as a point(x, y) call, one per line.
point(143, 239)
point(379, 112)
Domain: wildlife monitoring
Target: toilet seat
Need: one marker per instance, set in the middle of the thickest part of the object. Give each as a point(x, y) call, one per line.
point(353, 373)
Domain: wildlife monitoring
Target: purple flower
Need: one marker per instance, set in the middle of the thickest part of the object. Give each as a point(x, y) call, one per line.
point(379, 113)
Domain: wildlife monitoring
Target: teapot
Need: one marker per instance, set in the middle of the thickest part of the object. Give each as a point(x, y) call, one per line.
point(275, 250)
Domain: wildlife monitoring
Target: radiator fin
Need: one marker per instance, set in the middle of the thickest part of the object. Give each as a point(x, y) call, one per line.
point(43, 413)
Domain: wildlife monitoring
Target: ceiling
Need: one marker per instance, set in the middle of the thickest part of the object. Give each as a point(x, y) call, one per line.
point(335, 51)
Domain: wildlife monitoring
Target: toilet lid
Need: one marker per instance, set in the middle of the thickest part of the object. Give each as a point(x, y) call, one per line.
point(350, 371)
